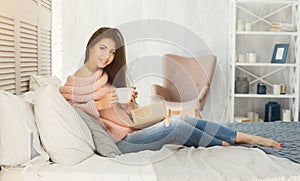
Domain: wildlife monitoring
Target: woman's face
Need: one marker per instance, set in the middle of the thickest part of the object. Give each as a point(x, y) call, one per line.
point(102, 53)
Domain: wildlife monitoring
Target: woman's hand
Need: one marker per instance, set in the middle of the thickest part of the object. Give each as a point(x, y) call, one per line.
point(132, 103)
point(107, 101)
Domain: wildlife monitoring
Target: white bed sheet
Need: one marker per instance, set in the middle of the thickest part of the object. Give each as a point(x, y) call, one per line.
point(228, 163)
point(223, 163)
point(131, 167)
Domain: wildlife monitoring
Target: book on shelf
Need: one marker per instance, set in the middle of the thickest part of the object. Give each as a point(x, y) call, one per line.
point(279, 26)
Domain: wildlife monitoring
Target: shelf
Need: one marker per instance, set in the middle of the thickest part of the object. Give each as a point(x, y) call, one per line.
point(264, 96)
point(260, 39)
point(266, 64)
point(284, 33)
point(266, 1)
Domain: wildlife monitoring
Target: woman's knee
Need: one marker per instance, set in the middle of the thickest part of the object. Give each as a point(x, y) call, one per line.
point(175, 122)
point(170, 125)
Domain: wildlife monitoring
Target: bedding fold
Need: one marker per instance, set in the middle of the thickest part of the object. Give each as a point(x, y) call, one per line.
point(174, 162)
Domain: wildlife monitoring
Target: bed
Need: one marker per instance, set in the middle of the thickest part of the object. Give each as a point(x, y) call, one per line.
point(169, 163)
point(50, 151)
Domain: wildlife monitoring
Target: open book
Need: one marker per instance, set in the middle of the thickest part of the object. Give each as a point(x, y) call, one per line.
point(148, 115)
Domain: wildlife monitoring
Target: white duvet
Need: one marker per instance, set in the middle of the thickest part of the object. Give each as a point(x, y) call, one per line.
point(170, 163)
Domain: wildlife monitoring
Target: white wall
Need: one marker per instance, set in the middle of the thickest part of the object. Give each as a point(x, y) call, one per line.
point(208, 19)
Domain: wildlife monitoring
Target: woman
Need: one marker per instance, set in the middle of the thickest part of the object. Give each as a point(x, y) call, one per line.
point(92, 89)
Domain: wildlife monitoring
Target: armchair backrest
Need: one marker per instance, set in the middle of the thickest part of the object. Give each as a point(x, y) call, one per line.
point(186, 77)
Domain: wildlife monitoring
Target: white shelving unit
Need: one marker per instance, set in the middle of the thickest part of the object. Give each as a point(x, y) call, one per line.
point(261, 40)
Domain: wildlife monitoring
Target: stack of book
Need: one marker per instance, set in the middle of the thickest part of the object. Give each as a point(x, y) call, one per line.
point(279, 26)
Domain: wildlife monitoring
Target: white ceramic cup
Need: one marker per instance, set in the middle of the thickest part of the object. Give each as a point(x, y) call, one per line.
point(124, 94)
point(276, 89)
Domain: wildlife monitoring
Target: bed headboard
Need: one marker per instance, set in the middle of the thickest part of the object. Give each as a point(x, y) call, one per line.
point(25, 42)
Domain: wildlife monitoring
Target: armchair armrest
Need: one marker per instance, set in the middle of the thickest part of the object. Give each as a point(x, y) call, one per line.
point(203, 93)
point(202, 96)
point(158, 90)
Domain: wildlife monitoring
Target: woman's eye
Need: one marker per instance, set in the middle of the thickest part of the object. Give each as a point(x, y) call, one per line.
point(102, 48)
point(112, 52)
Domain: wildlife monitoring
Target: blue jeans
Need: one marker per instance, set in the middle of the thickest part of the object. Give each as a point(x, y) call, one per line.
point(188, 132)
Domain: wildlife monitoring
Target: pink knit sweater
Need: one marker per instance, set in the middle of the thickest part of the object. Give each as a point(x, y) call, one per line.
point(82, 92)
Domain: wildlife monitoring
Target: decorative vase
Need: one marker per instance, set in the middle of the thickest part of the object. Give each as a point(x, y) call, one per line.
point(261, 88)
point(242, 85)
point(272, 112)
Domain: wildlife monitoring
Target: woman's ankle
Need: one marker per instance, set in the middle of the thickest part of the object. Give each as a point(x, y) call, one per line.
point(224, 143)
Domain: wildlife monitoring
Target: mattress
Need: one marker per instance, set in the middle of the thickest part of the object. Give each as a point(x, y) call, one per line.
point(172, 162)
point(11, 174)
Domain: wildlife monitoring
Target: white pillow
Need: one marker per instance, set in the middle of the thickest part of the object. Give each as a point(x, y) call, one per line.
point(63, 133)
point(19, 140)
point(36, 81)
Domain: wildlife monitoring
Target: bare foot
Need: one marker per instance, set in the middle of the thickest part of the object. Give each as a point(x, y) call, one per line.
point(243, 138)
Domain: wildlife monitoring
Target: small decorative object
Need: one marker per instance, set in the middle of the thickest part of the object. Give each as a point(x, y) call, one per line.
point(276, 89)
point(256, 117)
point(272, 112)
point(253, 116)
point(261, 88)
point(280, 53)
point(282, 89)
point(251, 57)
point(250, 115)
point(286, 115)
point(240, 25)
point(242, 85)
point(241, 58)
point(248, 27)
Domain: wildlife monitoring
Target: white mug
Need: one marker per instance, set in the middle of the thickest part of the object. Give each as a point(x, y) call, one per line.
point(124, 94)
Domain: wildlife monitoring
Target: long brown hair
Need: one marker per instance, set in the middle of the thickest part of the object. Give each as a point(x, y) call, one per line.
point(116, 70)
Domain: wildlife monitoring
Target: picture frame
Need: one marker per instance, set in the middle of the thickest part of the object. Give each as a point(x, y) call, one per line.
point(280, 53)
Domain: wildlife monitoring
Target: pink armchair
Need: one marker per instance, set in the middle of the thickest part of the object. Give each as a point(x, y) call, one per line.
point(186, 83)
